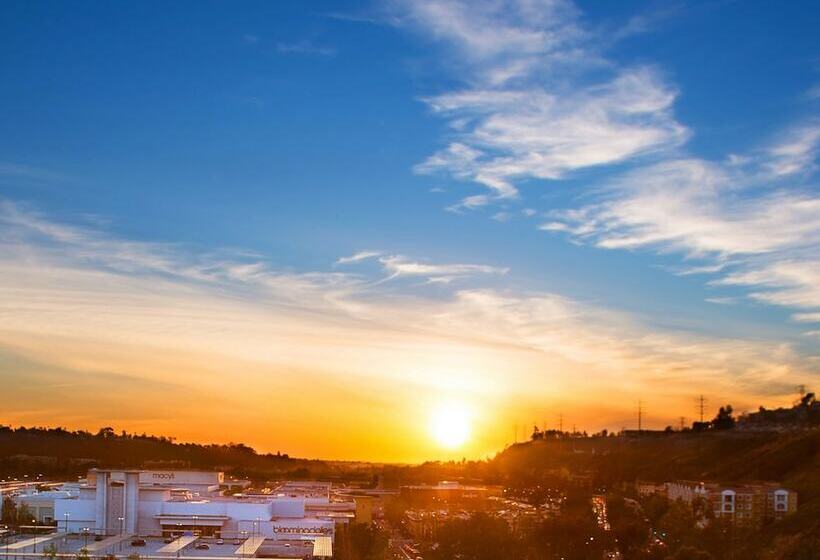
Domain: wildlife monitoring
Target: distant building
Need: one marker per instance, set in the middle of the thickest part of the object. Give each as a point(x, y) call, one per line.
point(41, 504)
point(747, 505)
point(448, 494)
point(173, 503)
point(752, 504)
point(424, 525)
point(650, 489)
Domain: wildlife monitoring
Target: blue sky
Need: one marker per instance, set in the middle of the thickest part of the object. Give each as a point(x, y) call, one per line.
point(651, 160)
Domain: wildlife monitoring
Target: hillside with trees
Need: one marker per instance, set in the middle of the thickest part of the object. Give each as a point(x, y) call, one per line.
point(60, 453)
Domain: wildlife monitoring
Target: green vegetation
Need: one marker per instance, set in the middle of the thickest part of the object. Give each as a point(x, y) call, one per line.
point(15, 515)
point(57, 452)
point(361, 542)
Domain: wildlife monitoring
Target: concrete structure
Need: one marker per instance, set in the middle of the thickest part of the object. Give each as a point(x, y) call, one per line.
point(176, 503)
point(747, 505)
point(751, 504)
point(41, 504)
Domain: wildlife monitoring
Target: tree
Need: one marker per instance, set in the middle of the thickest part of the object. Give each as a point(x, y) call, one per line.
point(368, 542)
point(50, 551)
point(480, 537)
point(9, 511)
point(724, 419)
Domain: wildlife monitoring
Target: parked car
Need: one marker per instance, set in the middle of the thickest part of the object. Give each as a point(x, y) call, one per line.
point(138, 542)
point(237, 542)
point(98, 538)
point(168, 540)
point(203, 546)
point(220, 541)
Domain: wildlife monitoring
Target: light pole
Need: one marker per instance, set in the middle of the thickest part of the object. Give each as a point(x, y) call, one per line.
point(195, 518)
point(34, 522)
point(122, 530)
point(66, 515)
point(85, 538)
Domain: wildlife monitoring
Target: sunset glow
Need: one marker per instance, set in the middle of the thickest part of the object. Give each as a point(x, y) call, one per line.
point(401, 231)
point(450, 425)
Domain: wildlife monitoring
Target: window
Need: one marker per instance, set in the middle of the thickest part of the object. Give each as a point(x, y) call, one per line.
point(728, 501)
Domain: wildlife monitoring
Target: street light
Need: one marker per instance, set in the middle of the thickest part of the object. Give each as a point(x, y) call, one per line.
point(195, 518)
point(122, 523)
point(34, 522)
point(66, 515)
point(85, 537)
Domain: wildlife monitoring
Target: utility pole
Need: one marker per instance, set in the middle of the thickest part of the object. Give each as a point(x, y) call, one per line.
point(561, 423)
point(801, 390)
point(702, 407)
point(640, 416)
point(682, 423)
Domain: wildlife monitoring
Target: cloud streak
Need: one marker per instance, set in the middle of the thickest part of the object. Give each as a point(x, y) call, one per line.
point(743, 222)
point(81, 302)
point(535, 104)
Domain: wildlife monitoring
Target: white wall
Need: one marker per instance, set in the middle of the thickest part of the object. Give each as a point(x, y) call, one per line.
point(82, 514)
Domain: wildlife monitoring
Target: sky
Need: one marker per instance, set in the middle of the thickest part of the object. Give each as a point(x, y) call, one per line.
point(323, 227)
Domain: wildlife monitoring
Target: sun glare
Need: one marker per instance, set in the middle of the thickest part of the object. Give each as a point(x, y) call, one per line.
point(450, 425)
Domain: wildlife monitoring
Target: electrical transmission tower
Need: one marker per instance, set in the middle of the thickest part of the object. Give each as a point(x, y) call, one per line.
point(640, 416)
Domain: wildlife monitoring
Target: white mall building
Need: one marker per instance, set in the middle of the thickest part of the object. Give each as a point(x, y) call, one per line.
point(166, 502)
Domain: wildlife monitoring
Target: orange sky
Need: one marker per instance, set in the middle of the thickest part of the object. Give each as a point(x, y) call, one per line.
point(327, 365)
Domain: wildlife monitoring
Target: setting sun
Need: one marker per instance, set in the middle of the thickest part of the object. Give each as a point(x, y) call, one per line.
point(450, 424)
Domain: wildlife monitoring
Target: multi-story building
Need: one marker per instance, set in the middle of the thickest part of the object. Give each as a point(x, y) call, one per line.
point(752, 504)
point(747, 505)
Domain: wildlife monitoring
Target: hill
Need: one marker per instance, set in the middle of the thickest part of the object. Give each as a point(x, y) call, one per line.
point(60, 453)
point(789, 458)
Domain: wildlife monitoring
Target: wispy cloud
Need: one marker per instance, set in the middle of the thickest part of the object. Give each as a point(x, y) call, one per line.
point(396, 266)
point(305, 47)
point(357, 257)
point(796, 152)
point(83, 301)
point(534, 104)
point(19, 171)
point(748, 228)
